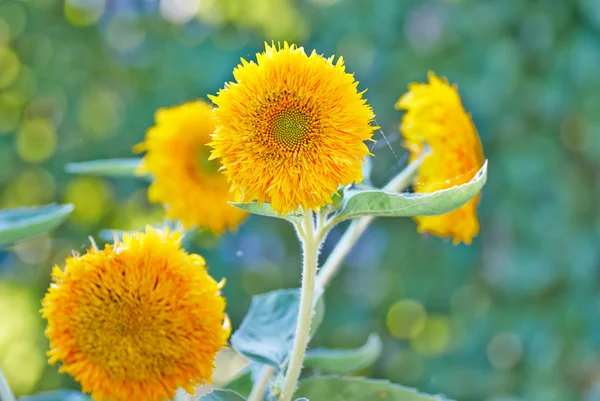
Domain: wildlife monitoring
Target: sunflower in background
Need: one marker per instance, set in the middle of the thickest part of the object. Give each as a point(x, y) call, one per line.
point(184, 179)
point(291, 129)
point(436, 116)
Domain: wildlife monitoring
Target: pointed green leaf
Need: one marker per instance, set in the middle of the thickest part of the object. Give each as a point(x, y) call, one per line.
point(106, 168)
point(343, 361)
point(57, 395)
point(222, 395)
point(20, 223)
point(266, 334)
point(264, 209)
point(332, 388)
point(387, 204)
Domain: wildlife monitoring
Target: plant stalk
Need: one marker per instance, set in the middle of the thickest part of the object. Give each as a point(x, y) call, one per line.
point(335, 259)
point(6, 393)
point(258, 391)
point(309, 271)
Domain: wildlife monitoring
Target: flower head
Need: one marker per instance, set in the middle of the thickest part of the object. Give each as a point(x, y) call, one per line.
point(435, 115)
point(185, 180)
point(291, 129)
point(136, 320)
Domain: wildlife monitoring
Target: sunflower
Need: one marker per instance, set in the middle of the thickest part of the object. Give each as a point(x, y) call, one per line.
point(185, 181)
point(136, 320)
point(435, 115)
point(291, 129)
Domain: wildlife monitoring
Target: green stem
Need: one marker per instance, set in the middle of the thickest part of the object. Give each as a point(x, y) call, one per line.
point(6, 393)
point(309, 270)
point(258, 391)
point(335, 259)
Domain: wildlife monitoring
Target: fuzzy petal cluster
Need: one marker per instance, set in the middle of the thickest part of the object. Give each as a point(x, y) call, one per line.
point(435, 115)
point(184, 179)
point(136, 320)
point(291, 129)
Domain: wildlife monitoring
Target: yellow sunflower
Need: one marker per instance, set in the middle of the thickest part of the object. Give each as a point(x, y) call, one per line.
point(136, 320)
point(436, 115)
point(185, 180)
point(291, 129)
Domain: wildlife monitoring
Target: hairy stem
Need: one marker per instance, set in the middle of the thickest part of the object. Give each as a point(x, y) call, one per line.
point(258, 391)
point(6, 393)
point(309, 271)
point(335, 259)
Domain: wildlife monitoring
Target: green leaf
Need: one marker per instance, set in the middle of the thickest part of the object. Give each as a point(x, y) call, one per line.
point(264, 209)
point(106, 168)
point(332, 388)
point(20, 223)
point(266, 334)
point(242, 383)
point(57, 395)
point(302, 399)
point(343, 361)
point(337, 199)
point(222, 395)
point(387, 204)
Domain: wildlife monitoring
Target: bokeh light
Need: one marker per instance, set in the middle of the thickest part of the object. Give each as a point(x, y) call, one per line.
point(124, 33)
point(434, 338)
point(84, 12)
point(179, 11)
point(10, 113)
point(34, 250)
point(34, 186)
point(100, 113)
point(91, 197)
point(257, 14)
point(505, 350)
point(36, 140)
point(13, 13)
point(406, 319)
point(4, 33)
point(9, 66)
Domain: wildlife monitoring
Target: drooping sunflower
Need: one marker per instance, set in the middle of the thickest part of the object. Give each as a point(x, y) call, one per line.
point(435, 115)
point(184, 179)
point(136, 320)
point(291, 129)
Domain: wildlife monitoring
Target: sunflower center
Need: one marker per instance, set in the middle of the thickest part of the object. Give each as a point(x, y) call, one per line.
point(210, 167)
point(290, 129)
point(126, 333)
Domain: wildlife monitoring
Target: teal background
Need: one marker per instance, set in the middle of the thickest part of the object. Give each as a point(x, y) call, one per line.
point(513, 317)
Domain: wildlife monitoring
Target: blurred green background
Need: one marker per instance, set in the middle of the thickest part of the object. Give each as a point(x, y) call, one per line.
point(514, 317)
